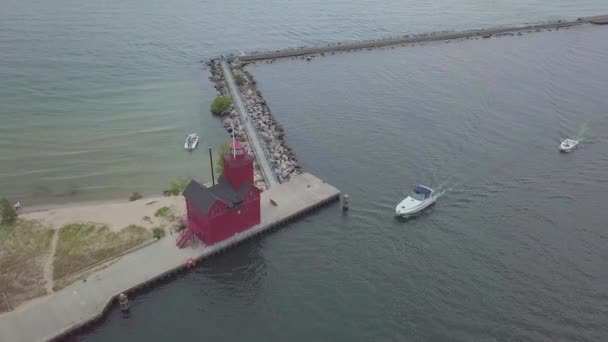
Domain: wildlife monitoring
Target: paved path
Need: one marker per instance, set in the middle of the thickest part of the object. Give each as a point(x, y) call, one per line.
point(48, 265)
point(252, 135)
point(83, 301)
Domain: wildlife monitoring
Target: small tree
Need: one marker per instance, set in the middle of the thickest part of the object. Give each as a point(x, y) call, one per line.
point(219, 165)
point(7, 212)
point(220, 105)
point(239, 79)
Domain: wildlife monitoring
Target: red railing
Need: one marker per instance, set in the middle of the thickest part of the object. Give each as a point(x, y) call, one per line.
point(183, 238)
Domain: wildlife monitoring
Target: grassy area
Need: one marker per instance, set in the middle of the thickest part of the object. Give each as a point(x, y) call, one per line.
point(83, 244)
point(163, 212)
point(23, 248)
point(166, 213)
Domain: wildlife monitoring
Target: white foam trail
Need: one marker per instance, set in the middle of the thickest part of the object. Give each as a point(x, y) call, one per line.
point(582, 132)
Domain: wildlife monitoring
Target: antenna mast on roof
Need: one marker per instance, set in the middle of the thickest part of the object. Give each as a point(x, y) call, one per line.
point(233, 142)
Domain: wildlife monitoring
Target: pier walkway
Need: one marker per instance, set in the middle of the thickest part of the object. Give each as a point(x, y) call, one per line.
point(54, 316)
point(254, 139)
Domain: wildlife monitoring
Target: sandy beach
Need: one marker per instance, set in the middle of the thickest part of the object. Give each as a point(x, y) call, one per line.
point(116, 214)
point(54, 246)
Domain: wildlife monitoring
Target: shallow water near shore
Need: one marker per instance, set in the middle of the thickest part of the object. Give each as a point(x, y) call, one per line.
point(514, 249)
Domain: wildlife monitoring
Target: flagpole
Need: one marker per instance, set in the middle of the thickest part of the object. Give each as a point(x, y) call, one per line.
point(233, 142)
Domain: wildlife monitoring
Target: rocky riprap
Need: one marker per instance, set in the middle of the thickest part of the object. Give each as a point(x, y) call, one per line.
point(271, 134)
point(232, 119)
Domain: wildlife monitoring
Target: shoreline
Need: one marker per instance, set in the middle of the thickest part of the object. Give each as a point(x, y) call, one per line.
point(79, 204)
point(86, 203)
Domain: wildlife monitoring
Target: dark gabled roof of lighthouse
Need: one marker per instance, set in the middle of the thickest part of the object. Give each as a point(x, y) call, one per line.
point(204, 198)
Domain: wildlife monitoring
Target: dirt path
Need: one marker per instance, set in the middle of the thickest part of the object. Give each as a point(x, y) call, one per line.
point(48, 265)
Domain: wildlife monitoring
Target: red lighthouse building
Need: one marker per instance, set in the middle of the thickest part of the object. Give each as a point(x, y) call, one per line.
point(228, 207)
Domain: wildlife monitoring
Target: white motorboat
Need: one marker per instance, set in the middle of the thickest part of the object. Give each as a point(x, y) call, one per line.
point(420, 199)
point(568, 145)
point(191, 141)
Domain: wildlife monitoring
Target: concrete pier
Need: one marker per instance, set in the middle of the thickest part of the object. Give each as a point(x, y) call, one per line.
point(64, 312)
point(419, 38)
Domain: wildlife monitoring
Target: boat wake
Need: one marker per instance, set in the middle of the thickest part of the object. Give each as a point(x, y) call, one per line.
point(442, 189)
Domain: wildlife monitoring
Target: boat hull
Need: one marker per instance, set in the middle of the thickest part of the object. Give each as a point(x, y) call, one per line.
point(415, 209)
point(191, 145)
point(568, 145)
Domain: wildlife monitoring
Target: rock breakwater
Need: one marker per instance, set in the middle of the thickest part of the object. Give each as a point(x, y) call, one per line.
point(232, 119)
point(269, 131)
point(308, 52)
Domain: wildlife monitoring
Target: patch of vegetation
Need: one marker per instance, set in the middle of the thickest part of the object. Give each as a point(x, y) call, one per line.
point(176, 187)
point(8, 215)
point(219, 165)
point(158, 232)
point(24, 246)
point(239, 79)
point(135, 196)
point(221, 105)
point(83, 244)
point(163, 212)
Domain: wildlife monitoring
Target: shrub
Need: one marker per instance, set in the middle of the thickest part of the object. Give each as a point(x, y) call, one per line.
point(158, 233)
point(8, 215)
point(239, 79)
point(163, 212)
point(135, 196)
point(176, 187)
point(220, 105)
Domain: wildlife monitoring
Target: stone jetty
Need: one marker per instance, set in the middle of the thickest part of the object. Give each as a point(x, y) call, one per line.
point(308, 53)
point(269, 131)
point(233, 120)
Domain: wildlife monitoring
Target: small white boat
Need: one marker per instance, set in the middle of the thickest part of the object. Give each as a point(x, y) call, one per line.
point(191, 141)
point(568, 145)
point(420, 199)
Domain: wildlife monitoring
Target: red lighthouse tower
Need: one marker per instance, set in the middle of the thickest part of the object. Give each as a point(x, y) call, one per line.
point(228, 207)
point(238, 165)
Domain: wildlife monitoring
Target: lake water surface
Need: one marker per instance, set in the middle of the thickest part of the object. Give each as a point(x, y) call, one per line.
point(96, 98)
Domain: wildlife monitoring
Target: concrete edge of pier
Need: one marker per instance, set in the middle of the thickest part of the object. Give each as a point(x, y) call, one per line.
point(281, 205)
point(418, 38)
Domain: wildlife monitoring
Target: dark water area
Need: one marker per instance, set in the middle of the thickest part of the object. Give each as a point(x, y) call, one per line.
point(514, 250)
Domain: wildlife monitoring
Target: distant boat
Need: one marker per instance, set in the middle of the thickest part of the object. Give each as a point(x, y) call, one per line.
point(568, 145)
point(420, 199)
point(191, 141)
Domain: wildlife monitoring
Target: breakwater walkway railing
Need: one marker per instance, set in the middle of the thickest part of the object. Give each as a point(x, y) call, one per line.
point(265, 149)
point(407, 39)
point(254, 140)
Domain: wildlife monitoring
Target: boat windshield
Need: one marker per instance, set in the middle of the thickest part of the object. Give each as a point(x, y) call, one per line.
point(417, 196)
